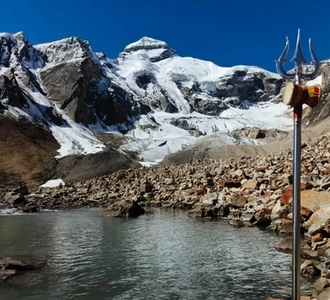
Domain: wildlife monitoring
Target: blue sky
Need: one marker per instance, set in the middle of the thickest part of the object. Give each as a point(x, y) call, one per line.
point(226, 32)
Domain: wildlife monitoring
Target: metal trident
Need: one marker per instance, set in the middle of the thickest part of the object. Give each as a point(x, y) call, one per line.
point(299, 60)
point(298, 74)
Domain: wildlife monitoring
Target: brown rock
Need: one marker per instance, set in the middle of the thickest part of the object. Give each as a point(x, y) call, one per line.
point(313, 200)
point(286, 196)
point(317, 238)
point(251, 184)
point(324, 295)
point(318, 220)
point(260, 169)
point(197, 191)
point(324, 249)
point(282, 226)
point(305, 212)
point(285, 244)
point(264, 212)
point(237, 200)
point(321, 284)
point(146, 187)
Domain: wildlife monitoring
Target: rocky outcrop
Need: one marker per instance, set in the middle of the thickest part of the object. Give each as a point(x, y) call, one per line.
point(74, 168)
point(9, 89)
point(257, 133)
point(78, 85)
point(16, 199)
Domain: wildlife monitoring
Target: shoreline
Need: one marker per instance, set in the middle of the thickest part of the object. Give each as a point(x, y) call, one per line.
point(249, 191)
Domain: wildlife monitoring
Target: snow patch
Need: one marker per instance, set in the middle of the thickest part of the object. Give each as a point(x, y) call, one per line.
point(53, 183)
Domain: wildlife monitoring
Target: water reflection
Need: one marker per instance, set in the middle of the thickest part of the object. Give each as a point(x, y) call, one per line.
point(164, 255)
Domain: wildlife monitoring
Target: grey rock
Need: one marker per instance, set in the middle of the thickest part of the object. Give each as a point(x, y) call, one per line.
point(14, 199)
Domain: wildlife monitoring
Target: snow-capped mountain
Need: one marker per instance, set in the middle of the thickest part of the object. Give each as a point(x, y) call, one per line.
point(157, 100)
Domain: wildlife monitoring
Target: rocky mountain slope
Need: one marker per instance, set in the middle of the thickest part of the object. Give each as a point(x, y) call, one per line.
point(61, 100)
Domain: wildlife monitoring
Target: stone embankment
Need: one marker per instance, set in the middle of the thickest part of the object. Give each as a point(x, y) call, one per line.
point(246, 191)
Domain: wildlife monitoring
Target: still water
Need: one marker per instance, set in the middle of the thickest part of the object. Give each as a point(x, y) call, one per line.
point(161, 255)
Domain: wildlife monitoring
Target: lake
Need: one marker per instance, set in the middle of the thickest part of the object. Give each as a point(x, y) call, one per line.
point(161, 255)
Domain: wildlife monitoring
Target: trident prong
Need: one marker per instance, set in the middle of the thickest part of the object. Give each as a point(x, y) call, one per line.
point(315, 62)
point(298, 59)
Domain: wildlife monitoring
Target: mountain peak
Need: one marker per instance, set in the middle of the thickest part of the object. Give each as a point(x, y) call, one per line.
point(146, 43)
point(155, 50)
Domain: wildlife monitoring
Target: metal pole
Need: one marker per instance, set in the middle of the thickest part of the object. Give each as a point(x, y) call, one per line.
point(296, 203)
point(298, 60)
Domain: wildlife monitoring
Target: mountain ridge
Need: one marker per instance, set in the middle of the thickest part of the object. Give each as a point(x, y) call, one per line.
point(151, 99)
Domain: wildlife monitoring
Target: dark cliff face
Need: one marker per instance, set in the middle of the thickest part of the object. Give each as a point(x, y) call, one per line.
point(10, 90)
point(81, 88)
point(70, 76)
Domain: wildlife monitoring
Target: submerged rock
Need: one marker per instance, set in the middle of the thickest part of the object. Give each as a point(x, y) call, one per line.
point(10, 267)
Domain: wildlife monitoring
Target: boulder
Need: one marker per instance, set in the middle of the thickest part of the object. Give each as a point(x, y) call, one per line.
point(123, 209)
point(281, 226)
point(263, 217)
point(309, 270)
point(22, 189)
point(280, 210)
point(324, 250)
point(14, 199)
point(306, 252)
point(324, 295)
point(318, 220)
point(205, 211)
point(237, 200)
point(30, 207)
point(313, 200)
point(321, 284)
point(210, 198)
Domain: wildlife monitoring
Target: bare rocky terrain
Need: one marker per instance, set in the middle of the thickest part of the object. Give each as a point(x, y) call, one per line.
point(28, 154)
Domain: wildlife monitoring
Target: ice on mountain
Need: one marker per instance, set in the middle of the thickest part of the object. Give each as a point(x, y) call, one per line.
point(146, 43)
